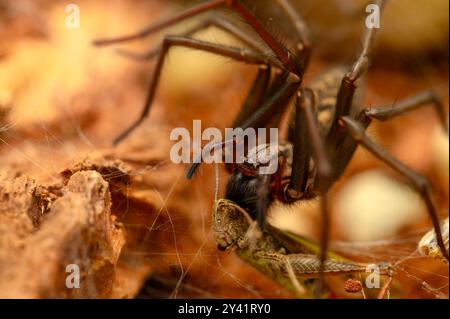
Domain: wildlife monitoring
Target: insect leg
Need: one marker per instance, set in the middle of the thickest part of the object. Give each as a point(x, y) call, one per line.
point(291, 273)
point(243, 55)
point(305, 265)
point(418, 181)
point(410, 104)
point(384, 291)
point(280, 266)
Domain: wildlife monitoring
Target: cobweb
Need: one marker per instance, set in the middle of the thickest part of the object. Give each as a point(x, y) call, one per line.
point(415, 275)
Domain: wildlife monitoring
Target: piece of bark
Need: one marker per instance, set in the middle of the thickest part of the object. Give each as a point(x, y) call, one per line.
point(78, 229)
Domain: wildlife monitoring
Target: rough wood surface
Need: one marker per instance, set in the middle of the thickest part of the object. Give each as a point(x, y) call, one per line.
point(43, 231)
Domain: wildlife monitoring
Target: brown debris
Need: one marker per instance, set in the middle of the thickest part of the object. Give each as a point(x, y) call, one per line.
point(114, 172)
point(353, 286)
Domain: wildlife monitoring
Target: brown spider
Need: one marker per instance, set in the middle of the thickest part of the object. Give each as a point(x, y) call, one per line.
point(326, 123)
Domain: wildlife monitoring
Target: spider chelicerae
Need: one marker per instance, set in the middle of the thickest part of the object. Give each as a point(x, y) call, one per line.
point(326, 122)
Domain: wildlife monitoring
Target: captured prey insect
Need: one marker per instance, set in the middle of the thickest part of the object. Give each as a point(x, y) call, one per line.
point(286, 258)
point(327, 122)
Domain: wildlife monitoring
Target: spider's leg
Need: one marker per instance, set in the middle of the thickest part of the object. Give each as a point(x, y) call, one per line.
point(254, 99)
point(154, 52)
point(273, 106)
point(301, 156)
point(365, 58)
point(419, 182)
point(410, 104)
point(165, 23)
point(279, 79)
point(234, 30)
point(305, 107)
point(279, 50)
point(339, 145)
point(304, 46)
point(256, 95)
point(242, 55)
point(213, 21)
point(348, 86)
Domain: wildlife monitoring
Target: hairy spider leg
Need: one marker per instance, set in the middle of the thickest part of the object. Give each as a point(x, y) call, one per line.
point(243, 55)
point(410, 104)
point(344, 102)
point(279, 50)
point(212, 21)
point(336, 139)
point(256, 96)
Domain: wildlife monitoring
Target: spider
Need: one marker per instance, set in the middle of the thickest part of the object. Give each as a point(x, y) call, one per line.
point(326, 122)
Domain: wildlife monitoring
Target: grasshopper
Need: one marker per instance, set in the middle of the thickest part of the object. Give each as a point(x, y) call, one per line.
point(288, 259)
